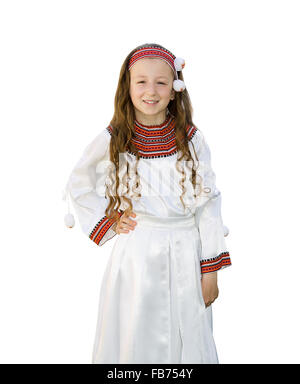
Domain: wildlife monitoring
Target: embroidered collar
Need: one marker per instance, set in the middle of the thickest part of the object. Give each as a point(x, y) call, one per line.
point(155, 127)
point(153, 141)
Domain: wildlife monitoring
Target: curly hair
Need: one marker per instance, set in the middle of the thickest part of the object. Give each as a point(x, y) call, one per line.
point(123, 131)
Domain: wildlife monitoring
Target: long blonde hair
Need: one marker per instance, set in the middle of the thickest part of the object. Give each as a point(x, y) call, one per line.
point(123, 131)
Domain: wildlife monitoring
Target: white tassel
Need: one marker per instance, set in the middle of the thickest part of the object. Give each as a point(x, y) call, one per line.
point(69, 218)
point(178, 84)
point(226, 230)
point(179, 63)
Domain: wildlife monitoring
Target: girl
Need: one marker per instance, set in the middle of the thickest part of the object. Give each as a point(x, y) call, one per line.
point(138, 178)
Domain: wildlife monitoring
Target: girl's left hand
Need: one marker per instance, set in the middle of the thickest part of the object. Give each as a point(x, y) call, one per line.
point(210, 290)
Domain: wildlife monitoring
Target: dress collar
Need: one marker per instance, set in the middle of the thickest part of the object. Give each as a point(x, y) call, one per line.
point(163, 125)
point(155, 141)
point(159, 131)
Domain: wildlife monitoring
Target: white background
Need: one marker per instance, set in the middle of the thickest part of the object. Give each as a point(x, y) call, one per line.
point(59, 68)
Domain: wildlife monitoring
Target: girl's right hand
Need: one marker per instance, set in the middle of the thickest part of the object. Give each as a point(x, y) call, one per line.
point(125, 224)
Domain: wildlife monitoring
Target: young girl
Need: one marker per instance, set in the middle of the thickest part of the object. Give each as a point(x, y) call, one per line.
point(148, 178)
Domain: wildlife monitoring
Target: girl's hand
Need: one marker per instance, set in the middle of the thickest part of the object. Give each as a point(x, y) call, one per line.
point(210, 289)
point(125, 224)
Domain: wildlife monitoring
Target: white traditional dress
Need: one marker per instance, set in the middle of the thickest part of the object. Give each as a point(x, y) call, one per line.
point(151, 308)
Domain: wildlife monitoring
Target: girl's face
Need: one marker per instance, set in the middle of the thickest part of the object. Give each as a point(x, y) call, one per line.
point(151, 80)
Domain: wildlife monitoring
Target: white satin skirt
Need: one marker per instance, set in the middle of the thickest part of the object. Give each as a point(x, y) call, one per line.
point(151, 308)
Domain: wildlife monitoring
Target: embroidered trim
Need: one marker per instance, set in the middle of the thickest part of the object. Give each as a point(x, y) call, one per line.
point(101, 229)
point(154, 141)
point(152, 50)
point(215, 263)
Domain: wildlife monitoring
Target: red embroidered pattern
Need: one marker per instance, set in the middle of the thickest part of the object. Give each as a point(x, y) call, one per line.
point(152, 51)
point(153, 141)
point(216, 263)
point(101, 228)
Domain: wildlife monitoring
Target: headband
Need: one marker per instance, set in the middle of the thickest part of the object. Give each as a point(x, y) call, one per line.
point(176, 63)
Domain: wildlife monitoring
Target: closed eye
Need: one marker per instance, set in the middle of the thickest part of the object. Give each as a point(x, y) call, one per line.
point(158, 82)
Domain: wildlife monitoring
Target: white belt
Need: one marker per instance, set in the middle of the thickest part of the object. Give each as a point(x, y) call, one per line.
point(164, 222)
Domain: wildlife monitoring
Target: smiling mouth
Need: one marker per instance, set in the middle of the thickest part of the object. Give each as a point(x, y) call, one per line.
point(150, 101)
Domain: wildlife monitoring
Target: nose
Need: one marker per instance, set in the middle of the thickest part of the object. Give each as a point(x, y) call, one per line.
point(150, 89)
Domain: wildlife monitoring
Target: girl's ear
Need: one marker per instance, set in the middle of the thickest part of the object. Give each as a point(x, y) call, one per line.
point(172, 94)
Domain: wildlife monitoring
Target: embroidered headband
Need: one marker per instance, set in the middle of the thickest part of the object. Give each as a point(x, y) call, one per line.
point(176, 63)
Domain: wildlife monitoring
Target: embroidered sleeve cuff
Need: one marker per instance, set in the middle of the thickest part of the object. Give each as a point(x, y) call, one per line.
point(216, 263)
point(102, 231)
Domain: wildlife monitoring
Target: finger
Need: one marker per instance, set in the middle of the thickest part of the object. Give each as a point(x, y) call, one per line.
point(127, 214)
point(129, 223)
point(127, 218)
point(121, 230)
point(125, 227)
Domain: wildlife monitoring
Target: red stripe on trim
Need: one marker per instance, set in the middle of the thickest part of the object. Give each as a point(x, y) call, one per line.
point(216, 263)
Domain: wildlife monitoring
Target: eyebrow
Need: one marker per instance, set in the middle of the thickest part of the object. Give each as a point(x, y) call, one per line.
point(158, 77)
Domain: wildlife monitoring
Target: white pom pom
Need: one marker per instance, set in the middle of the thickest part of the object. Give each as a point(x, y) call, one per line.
point(226, 230)
point(179, 63)
point(178, 85)
point(69, 220)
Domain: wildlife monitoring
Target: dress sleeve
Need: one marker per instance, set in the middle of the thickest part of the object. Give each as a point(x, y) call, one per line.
point(85, 189)
point(214, 253)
